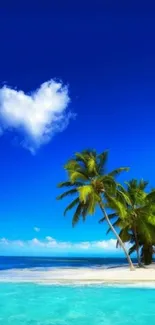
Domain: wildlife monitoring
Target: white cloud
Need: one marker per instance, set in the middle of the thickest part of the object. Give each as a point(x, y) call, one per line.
point(83, 245)
point(50, 243)
point(37, 115)
point(4, 241)
point(49, 238)
point(35, 243)
point(11, 243)
point(106, 244)
point(19, 243)
point(36, 229)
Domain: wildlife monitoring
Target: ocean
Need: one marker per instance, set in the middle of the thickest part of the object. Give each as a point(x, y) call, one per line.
point(45, 304)
point(9, 262)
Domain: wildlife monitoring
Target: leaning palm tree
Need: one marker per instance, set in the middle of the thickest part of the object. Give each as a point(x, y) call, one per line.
point(138, 226)
point(91, 186)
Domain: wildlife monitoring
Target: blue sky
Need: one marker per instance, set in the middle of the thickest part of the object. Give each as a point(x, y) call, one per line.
point(101, 59)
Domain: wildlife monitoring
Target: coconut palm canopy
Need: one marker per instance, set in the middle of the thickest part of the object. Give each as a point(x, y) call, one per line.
point(91, 185)
point(138, 226)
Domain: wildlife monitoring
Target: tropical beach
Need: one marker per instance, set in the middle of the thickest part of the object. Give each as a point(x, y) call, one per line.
point(73, 295)
point(120, 275)
point(61, 295)
point(77, 157)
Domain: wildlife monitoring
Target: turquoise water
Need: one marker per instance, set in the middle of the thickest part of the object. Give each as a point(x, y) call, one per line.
point(30, 304)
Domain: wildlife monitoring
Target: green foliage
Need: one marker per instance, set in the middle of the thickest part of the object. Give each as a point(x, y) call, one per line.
point(71, 205)
point(132, 249)
point(67, 193)
point(123, 197)
point(147, 253)
point(110, 216)
point(89, 182)
point(84, 191)
point(132, 207)
point(116, 205)
point(76, 176)
point(76, 216)
point(102, 160)
point(69, 184)
point(138, 225)
point(125, 235)
point(91, 164)
point(118, 171)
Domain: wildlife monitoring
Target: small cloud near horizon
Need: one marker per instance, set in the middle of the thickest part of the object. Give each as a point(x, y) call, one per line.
point(35, 116)
point(37, 229)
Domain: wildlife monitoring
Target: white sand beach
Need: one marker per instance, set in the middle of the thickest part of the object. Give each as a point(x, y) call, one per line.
point(118, 275)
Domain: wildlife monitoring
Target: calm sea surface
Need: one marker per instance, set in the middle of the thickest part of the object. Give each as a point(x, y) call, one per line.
point(36, 262)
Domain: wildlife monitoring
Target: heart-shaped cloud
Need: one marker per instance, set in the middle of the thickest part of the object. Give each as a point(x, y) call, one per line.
point(37, 115)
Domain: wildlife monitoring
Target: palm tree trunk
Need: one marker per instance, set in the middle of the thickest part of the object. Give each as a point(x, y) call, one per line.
point(137, 248)
point(147, 254)
point(117, 236)
point(138, 257)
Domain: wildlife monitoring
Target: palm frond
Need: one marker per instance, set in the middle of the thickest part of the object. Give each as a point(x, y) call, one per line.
point(132, 183)
point(69, 184)
point(102, 160)
point(114, 204)
point(118, 171)
point(115, 224)
point(146, 231)
point(143, 184)
point(109, 184)
point(91, 164)
point(77, 214)
point(93, 200)
point(132, 249)
point(76, 176)
point(67, 193)
point(151, 220)
point(71, 205)
point(123, 197)
point(85, 210)
point(84, 191)
point(110, 216)
point(125, 235)
point(72, 165)
point(151, 197)
point(87, 153)
point(80, 157)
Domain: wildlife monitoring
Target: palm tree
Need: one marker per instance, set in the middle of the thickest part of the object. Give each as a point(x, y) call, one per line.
point(147, 252)
point(146, 248)
point(138, 226)
point(92, 187)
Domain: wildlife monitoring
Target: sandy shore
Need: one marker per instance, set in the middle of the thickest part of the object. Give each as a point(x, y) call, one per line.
point(118, 275)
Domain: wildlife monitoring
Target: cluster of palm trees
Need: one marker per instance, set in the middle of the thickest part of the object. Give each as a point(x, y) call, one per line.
point(128, 209)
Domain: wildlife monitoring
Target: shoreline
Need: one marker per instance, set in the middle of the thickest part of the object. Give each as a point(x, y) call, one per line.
point(119, 276)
